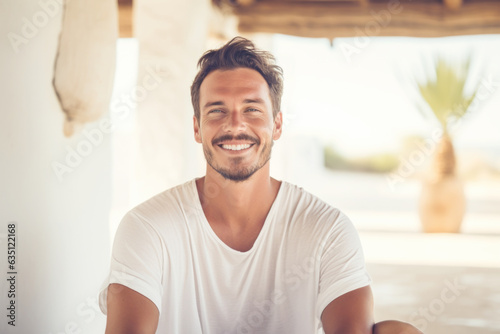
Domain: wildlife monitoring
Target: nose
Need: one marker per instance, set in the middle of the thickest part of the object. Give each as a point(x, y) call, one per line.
point(235, 122)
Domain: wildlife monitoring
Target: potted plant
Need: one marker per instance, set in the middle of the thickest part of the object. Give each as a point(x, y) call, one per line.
point(442, 200)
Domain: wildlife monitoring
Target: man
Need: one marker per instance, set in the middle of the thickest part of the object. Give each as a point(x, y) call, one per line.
point(237, 251)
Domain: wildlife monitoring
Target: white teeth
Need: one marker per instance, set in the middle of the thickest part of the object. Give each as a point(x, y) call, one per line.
point(236, 147)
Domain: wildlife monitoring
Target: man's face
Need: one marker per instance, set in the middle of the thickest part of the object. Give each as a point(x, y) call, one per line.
point(236, 125)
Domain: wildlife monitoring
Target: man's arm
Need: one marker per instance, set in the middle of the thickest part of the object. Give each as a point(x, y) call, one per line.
point(351, 313)
point(129, 312)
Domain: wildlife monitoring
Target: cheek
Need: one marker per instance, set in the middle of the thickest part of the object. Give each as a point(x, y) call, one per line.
point(261, 124)
point(207, 131)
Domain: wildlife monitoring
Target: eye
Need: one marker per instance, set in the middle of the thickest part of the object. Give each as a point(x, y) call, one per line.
point(215, 111)
point(253, 110)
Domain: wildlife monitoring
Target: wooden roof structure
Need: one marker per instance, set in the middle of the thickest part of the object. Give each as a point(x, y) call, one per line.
point(351, 18)
point(125, 18)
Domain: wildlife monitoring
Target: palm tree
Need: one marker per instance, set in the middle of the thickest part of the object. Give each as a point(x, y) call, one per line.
point(442, 202)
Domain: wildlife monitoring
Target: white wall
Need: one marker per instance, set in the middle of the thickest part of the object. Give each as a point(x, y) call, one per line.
point(62, 224)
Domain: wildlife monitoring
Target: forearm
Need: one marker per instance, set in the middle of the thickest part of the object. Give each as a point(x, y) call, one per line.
point(350, 331)
point(352, 328)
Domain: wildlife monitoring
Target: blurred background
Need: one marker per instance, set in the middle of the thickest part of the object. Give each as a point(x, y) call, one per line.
point(392, 114)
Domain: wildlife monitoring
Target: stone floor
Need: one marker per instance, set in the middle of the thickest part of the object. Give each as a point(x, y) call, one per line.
point(438, 299)
point(441, 283)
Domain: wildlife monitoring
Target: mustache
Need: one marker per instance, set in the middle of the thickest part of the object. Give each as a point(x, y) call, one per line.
point(241, 136)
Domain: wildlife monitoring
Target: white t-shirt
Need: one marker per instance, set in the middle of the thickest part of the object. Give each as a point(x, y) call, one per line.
point(306, 255)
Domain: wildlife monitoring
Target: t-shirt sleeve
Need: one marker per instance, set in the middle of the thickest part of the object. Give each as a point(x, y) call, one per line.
point(342, 266)
point(136, 260)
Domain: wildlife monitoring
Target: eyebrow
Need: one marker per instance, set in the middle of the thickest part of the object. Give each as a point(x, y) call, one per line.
point(256, 100)
point(213, 104)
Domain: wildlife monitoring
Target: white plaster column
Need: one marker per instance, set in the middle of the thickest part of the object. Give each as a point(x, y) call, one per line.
point(62, 239)
point(172, 36)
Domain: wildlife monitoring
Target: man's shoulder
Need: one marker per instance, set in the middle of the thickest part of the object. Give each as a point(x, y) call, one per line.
point(310, 220)
point(173, 200)
point(298, 194)
point(303, 202)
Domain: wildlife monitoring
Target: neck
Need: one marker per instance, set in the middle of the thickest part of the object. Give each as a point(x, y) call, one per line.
point(237, 204)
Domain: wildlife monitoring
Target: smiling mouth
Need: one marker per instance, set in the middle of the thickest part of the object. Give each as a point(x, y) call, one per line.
point(235, 147)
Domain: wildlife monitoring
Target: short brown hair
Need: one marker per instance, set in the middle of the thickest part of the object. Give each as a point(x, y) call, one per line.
point(239, 52)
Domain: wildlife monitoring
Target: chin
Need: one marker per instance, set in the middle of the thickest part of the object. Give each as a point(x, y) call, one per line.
point(236, 177)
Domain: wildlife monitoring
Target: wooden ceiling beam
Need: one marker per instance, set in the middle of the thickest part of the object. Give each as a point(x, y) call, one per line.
point(391, 18)
point(125, 18)
point(453, 4)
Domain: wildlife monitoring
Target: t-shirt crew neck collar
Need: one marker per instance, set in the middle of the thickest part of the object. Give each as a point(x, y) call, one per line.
point(263, 232)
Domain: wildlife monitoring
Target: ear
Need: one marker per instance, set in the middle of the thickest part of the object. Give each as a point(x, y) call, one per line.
point(196, 126)
point(278, 126)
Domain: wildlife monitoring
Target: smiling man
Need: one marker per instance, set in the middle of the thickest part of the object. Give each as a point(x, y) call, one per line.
point(237, 251)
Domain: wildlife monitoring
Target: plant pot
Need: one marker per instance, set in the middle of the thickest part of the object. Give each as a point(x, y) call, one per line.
point(442, 205)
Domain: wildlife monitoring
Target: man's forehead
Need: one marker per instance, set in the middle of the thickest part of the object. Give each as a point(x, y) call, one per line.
point(240, 74)
point(234, 81)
